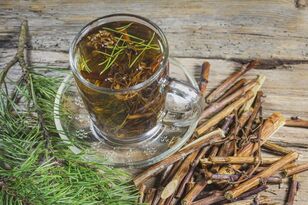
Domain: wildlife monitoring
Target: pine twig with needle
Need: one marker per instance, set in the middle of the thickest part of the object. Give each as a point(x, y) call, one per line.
point(145, 48)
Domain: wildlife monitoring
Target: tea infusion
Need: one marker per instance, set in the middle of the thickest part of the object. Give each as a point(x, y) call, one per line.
point(119, 55)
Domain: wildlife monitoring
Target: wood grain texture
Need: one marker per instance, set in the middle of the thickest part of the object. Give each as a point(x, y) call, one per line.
point(223, 29)
point(285, 89)
point(276, 31)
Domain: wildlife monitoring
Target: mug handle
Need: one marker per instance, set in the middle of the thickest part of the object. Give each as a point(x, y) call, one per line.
point(183, 103)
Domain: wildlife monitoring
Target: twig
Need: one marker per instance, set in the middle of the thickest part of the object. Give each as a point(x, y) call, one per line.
point(228, 148)
point(234, 88)
point(213, 153)
point(296, 122)
point(229, 81)
point(227, 123)
point(235, 177)
point(294, 186)
point(149, 195)
point(169, 201)
point(212, 199)
point(245, 186)
point(19, 56)
point(192, 168)
point(205, 70)
point(189, 186)
point(40, 115)
point(213, 137)
point(141, 193)
point(194, 192)
point(222, 114)
point(165, 174)
point(254, 114)
point(252, 192)
point(237, 160)
point(172, 172)
point(296, 169)
point(276, 148)
point(269, 127)
point(259, 82)
point(178, 177)
point(217, 106)
point(289, 166)
point(257, 200)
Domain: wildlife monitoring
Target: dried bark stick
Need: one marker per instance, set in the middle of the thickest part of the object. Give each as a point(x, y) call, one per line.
point(172, 186)
point(160, 202)
point(252, 192)
point(294, 186)
point(238, 160)
point(213, 137)
point(214, 198)
point(165, 174)
point(149, 195)
point(254, 113)
point(228, 147)
point(229, 81)
point(296, 169)
point(174, 169)
point(276, 148)
point(248, 194)
point(169, 201)
point(213, 153)
point(259, 200)
point(259, 82)
point(189, 187)
point(156, 199)
point(288, 166)
point(217, 106)
point(227, 123)
point(245, 186)
point(222, 114)
point(194, 192)
point(234, 88)
point(205, 70)
point(142, 188)
point(235, 177)
point(297, 123)
point(187, 178)
point(269, 127)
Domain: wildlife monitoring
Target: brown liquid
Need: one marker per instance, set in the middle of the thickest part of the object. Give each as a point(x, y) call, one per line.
point(119, 55)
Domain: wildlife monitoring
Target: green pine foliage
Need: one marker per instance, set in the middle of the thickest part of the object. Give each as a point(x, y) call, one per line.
point(36, 167)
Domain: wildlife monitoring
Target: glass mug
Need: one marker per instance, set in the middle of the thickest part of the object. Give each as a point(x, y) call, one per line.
point(139, 112)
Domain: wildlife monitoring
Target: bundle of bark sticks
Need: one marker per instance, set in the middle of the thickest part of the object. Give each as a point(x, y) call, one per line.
point(223, 163)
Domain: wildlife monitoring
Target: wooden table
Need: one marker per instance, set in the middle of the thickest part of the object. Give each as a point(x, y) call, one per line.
point(226, 33)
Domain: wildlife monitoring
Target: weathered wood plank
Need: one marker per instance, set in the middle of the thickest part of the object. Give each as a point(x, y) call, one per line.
point(213, 29)
point(286, 91)
point(224, 29)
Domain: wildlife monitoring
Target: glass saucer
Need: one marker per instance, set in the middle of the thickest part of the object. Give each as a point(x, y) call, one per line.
point(71, 117)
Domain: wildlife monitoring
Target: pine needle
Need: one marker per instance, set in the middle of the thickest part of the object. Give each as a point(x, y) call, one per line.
point(144, 49)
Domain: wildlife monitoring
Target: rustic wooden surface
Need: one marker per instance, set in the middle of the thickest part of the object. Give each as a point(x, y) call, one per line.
point(227, 33)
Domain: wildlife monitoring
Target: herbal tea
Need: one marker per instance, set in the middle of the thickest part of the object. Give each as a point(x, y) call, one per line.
point(120, 55)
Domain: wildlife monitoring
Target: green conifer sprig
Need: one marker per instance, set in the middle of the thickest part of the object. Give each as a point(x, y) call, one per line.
point(36, 167)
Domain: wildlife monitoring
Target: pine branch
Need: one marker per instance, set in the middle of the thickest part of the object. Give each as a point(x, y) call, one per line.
point(38, 110)
point(27, 128)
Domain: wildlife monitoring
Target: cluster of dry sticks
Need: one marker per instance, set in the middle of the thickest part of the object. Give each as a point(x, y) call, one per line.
point(222, 163)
